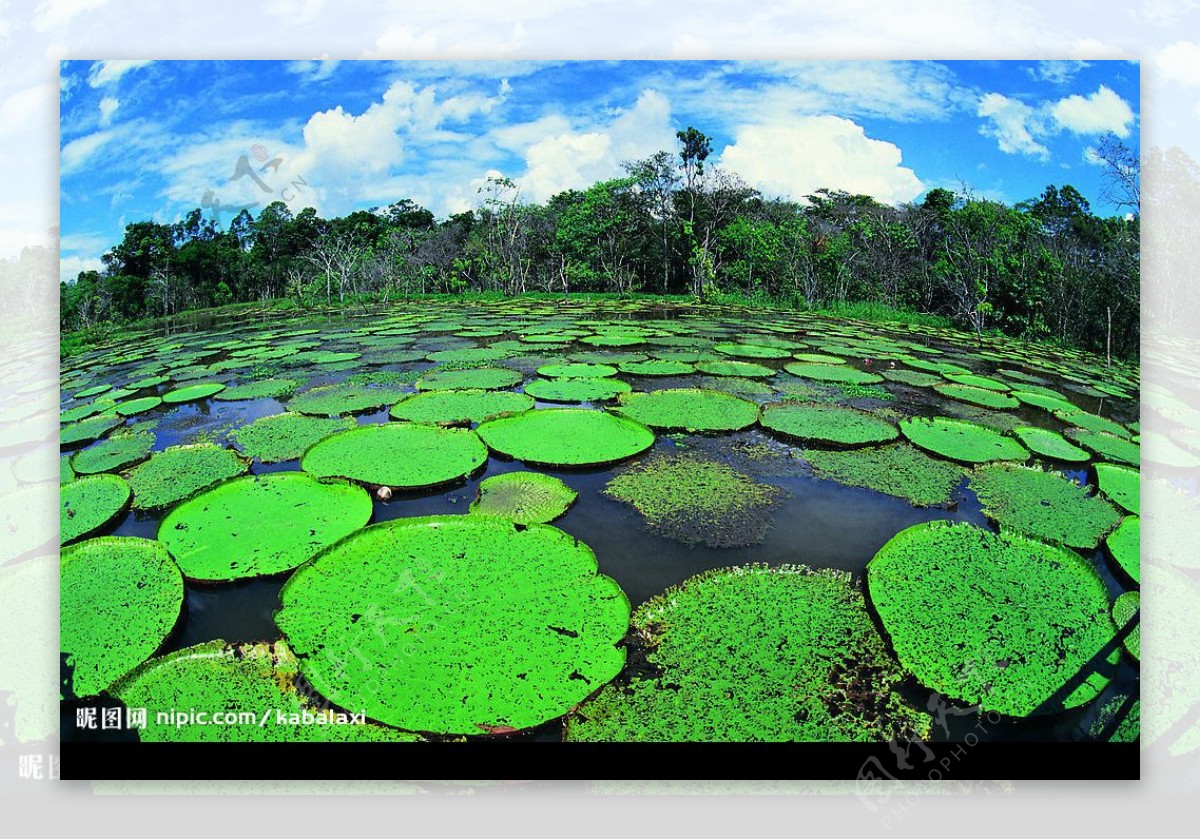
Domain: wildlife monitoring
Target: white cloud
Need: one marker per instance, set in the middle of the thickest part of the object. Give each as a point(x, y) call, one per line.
point(76, 153)
point(1013, 124)
point(51, 14)
point(314, 71)
point(108, 106)
point(69, 267)
point(1057, 72)
point(797, 158)
point(1096, 113)
point(1179, 62)
point(110, 72)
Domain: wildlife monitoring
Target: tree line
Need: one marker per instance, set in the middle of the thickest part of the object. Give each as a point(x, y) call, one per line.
point(672, 224)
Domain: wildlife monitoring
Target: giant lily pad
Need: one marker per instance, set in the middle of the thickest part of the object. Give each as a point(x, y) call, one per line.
point(827, 423)
point(459, 407)
point(1050, 444)
point(1050, 402)
point(525, 498)
point(898, 470)
point(697, 500)
point(657, 367)
point(568, 437)
point(756, 654)
point(832, 373)
point(1121, 484)
point(90, 429)
point(178, 472)
point(577, 390)
point(960, 440)
point(977, 396)
point(1042, 504)
point(404, 455)
point(1127, 605)
point(1107, 446)
point(261, 525)
point(90, 503)
point(138, 406)
point(689, 409)
point(1125, 546)
point(1091, 422)
point(999, 620)
point(285, 437)
point(975, 381)
point(119, 599)
point(458, 625)
point(113, 453)
point(577, 371)
point(256, 681)
point(486, 379)
point(190, 393)
point(752, 351)
point(277, 388)
point(746, 369)
point(344, 398)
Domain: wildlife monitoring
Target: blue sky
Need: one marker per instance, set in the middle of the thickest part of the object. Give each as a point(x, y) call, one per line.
point(155, 139)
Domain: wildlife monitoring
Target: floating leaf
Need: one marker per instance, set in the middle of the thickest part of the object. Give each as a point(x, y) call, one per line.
point(138, 406)
point(276, 388)
point(460, 407)
point(400, 455)
point(525, 498)
point(1107, 446)
point(1127, 605)
point(487, 379)
point(689, 409)
point(831, 373)
point(975, 381)
point(89, 429)
point(568, 437)
point(1121, 484)
point(960, 440)
point(1042, 504)
point(285, 437)
point(977, 396)
point(1050, 444)
point(752, 351)
point(1125, 546)
point(179, 472)
point(113, 453)
point(90, 503)
point(898, 470)
point(345, 398)
point(577, 390)
point(827, 423)
point(193, 392)
point(746, 369)
point(657, 367)
point(577, 371)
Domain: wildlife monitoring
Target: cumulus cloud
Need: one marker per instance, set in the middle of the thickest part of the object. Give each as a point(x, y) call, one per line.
point(1096, 113)
point(797, 158)
point(1020, 128)
point(110, 72)
point(1013, 124)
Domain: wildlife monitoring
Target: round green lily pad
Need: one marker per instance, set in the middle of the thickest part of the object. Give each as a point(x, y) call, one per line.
point(1125, 546)
point(960, 440)
point(408, 456)
point(827, 423)
point(1127, 605)
point(915, 378)
point(975, 381)
point(468, 355)
point(1107, 446)
point(822, 359)
point(193, 392)
point(90, 429)
point(611, 340)
point(756, 654)
point(119, 599)
point(977, 396)
point(832, 373)
point(569, 437)
point(577, 371)
point(689, 409)
point(752, 351)
point(113, 453)
point(178, 472)
point(138, 406)
point(460, 625)
point(577, 390)
point(697, 500)
point(898, 470)
point(1042, 504)
point(487, 379)
point(261, 525)
point(657, 367)
point(1121, 484)
point(525, 498)
point(459, 407)
point(1049, 402)
point(1050, 444)
point(1092, 422)
point(90, 503)
point(80, 412)
point(345, 398)
point(997, 620)
point(258, 681)
point(277, 388)
point(734, 368)
point(285, 437)
point(93, 391)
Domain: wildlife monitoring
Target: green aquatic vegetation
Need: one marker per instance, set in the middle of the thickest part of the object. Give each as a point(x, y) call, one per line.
point(689, 409)
point(81, 412)
point(821, 359)
point(960, 440)
point(463, 625)
point(1050, 402)
point(827, 423)
point(933, 367)
point(276, 388)
point(976, 381)
point(736, 385)
point(1050, 444)
point(1125, 607)
point(469, 355)
point(486, 379)
point(576, 371)
point(697, 500)
point(345, 398)
point(259, 677)
point(739, 369)
point(285, 437)
point(997, 620)
point(613, 340)
point(897, 470)
point(1042, 504)
point(831, 373)
point(460, 407)
point(607, 357)
point(1121, 484)
point(119, 599)
point(88, 504)
point(179, 472)
point(752, 351)
point(193, 392)
point(113, 453)
point(93, 391)
point(1125, 546)
point(406, 456)
point(577, 390)
point(90, 429)
point(65, 473)
point(220, 534)
point(138, 406)
point(977, 396)
point(657, 368)
point(853, 391)
point(1107, 446)
point(756, 654)
point(1091, 422)
point(525, 498)
point(915, 378)
point(568, 437)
